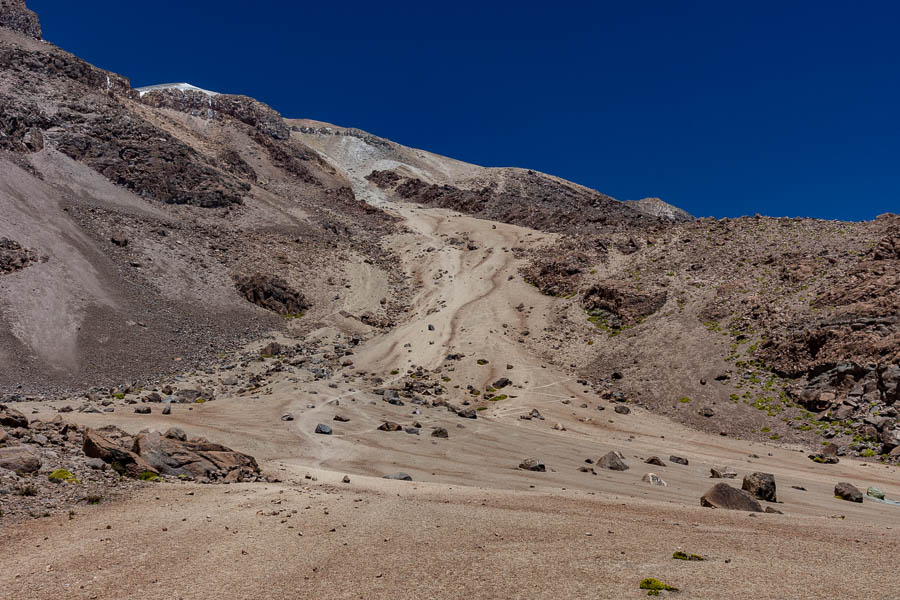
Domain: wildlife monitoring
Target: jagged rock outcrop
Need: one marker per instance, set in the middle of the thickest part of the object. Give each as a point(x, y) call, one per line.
point(174, 454)
point(526, 198)
point(271, 293)
point(620, 303)
point(14, 257)
point(220, 106)
point(657, 208)
point(143, 158)
point(16, 16)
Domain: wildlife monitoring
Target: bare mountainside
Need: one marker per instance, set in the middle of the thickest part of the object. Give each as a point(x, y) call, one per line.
point(342, 367)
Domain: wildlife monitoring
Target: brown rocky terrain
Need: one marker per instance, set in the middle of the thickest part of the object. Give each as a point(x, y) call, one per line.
point(246, 356)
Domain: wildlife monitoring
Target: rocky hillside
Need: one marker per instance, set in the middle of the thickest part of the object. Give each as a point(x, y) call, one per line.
point(147, 231)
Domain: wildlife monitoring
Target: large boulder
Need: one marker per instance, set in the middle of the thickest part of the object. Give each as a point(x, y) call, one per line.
point(761, 485)
point(724, 496)
point(612, 461)
point(123, 461)
point(10, 417)
point(848, 492)
point(192, 458)
point(23, 459)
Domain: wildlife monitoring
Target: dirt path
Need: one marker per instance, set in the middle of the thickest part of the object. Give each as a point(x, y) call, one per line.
point(471, 524)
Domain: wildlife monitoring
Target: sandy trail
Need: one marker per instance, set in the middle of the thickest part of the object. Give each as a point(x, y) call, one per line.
point(471, 524)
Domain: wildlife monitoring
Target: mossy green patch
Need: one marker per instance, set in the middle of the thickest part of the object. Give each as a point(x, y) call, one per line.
point(650, 583)
point(678, 554)
point(63, 476)
point(148, 476)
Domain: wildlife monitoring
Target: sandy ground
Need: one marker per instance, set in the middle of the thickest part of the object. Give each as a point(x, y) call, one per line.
point(471, 524)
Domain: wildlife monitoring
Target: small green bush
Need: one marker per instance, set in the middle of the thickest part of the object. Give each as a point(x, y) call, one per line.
point(652, 584)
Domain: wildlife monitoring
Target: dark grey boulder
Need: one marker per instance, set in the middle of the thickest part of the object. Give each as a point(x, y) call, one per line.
point(612, 461)
point(761, 485)
point(724, 496)
point(848, 492)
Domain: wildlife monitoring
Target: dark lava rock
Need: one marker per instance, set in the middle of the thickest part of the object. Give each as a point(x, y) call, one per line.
point(761, 485)
point(622, 409)
point(468, 413)
point(824, 459)
point(849, 492)
point(533, 464)
point(341, 419)
point(10, 417)
point(323, 429)
point(501, 383)
point(271, 293)
point(440, 432)
point(612, 461)
point(655, 460)
point(142, 410)
point(724, 496)
point(679, 460)
point(390, 426)
point(401, 476)
point(287, 417)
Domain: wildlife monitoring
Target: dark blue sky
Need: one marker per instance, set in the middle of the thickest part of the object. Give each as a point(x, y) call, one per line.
point(721, 108)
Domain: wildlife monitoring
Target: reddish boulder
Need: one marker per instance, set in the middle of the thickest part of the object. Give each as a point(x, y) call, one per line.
point(122, 460)
point(175, 455)
point(23, 459)
point(10, 417)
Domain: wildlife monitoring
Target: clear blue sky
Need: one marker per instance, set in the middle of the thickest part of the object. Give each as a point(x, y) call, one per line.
point(721, 108)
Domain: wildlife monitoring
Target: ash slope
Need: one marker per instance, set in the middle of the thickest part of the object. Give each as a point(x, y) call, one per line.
point(146, 206)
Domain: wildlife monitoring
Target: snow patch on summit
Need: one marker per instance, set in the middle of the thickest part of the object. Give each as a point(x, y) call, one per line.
point(184, 87)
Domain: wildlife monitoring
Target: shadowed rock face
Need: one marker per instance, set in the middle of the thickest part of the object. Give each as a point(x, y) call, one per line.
point(218, 106)
point(724, 496)
point(16, 16)
point(271, 293)
point(528, 198)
